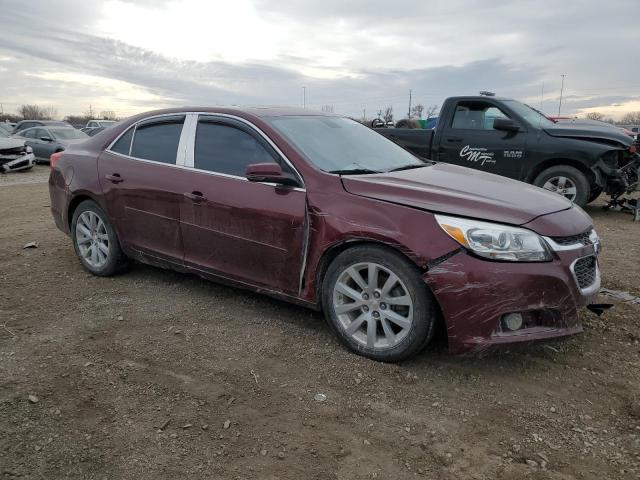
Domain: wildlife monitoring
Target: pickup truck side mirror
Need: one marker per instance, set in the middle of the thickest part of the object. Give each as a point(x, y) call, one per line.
point(505, 124)
point(268, 172)
point(46, 139)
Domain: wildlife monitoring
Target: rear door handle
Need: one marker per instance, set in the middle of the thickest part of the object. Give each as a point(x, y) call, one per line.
point(454, 139)
point(196, 196)
point(114, 178)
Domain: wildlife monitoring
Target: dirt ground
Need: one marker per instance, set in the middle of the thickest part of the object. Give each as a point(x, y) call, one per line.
point(159, 375)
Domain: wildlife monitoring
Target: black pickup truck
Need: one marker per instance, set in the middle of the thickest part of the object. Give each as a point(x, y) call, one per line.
point(509, 138)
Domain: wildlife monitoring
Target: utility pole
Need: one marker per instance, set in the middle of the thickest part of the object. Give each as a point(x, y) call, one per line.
point(304, 97)
point(561, 92)
point(364, 115)
point(409, 114)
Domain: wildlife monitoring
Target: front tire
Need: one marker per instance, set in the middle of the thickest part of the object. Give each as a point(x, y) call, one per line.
point(95, 241)
point(377, 303)
point(567, 181)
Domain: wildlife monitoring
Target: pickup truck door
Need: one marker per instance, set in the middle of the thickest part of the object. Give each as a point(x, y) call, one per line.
point(469, 139)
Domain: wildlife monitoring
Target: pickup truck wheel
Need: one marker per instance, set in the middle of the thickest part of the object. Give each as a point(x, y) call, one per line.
point(378, 304)
point(567, 181)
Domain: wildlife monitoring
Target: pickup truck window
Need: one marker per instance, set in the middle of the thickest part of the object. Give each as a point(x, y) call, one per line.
point(531, 116)
point(476, 116)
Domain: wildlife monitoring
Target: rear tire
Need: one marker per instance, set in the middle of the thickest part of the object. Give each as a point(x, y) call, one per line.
point(378, 304)
point(567, 181)
point(95, 241)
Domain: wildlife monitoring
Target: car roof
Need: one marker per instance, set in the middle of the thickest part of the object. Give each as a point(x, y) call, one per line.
point(472, 98)
point(260, 111)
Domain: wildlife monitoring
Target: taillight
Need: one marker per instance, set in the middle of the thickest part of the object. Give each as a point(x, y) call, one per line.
point(53, 159)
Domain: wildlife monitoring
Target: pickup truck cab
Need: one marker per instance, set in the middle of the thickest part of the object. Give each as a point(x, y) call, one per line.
point(506, 137)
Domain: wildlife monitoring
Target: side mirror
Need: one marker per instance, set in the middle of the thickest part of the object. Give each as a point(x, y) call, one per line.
point(46, 139)
point(268, 172)
point(505, 124)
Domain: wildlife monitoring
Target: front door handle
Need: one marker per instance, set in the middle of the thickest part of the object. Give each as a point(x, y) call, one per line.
point(454, 139)
point(196, 196)
point(114, 178)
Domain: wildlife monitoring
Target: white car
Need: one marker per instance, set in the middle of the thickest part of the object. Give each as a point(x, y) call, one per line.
point(15, 154)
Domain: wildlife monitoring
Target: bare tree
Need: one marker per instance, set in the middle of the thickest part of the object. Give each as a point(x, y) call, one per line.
point(432, 111)
point(77, 119)
point(595, 116)
point(108, 115)
point(388, 115)
point(417, 111)
point(632, 118)
point(36, 112)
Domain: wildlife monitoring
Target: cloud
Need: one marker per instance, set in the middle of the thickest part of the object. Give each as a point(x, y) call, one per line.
point(353, 55)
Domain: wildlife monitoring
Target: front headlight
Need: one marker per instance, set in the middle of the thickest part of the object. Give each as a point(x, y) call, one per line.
point(28, 149)
point(495, 241)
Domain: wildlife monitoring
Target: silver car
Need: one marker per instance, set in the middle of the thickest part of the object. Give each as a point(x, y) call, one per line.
point(14, 154)
point(46, 141)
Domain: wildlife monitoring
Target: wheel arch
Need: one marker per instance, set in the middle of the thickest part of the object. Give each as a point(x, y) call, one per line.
point(336, 249)
point(75, 201)
point(554, 162)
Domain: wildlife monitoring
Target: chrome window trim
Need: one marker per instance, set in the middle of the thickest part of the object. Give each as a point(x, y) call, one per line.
point(190, 134)
point(595, 286)
point(135, 127)
point(254, 128)
point(185, 139)
point(215, 174)
point(153, 162)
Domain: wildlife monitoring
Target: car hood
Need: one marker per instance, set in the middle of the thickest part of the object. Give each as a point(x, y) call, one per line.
point(10, 143)
point(589, 132)
point(445, 188)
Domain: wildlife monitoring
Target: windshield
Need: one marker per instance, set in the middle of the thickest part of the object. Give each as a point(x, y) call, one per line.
point(67, 133)
point(106, 123)
point(531, 116)
point(336, 144)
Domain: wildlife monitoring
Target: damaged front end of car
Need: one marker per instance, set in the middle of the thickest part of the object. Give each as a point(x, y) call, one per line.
point(619, 174)
point(15, 158)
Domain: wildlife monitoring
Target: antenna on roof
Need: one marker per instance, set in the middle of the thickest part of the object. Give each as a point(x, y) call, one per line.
point(485, 93)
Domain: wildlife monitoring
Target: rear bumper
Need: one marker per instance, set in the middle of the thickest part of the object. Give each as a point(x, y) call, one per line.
point(474, 294)
point(60, 196)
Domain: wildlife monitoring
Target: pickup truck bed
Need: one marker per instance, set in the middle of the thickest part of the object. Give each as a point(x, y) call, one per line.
point(416, 141)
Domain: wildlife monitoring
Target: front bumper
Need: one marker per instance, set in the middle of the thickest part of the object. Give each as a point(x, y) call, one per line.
point(474, 294)
point(13, 163)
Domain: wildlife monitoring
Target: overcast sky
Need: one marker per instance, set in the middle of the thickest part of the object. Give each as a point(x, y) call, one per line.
point(135, 55)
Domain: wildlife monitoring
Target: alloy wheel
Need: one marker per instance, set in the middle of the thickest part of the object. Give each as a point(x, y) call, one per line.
point(92, 239)
point(563, 186)
point(373, 305)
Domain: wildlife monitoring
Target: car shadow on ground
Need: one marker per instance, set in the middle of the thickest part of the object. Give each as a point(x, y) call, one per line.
point(513, 360)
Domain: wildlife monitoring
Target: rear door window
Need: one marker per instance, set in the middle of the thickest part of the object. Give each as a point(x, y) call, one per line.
point(158, 139)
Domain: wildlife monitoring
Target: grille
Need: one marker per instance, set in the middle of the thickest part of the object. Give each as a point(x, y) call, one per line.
point(585, 271)
point(582, 238)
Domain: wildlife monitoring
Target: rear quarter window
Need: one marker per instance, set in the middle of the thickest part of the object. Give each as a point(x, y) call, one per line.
point(123, 145)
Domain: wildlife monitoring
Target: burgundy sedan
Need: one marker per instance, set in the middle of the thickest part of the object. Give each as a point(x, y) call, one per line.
point(319, 210)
